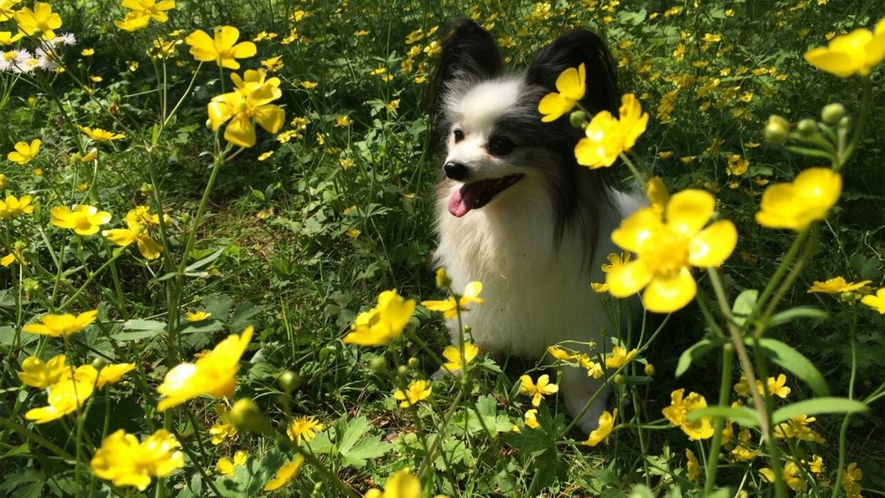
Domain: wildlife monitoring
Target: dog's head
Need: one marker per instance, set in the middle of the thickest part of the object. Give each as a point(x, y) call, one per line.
point(496, 145)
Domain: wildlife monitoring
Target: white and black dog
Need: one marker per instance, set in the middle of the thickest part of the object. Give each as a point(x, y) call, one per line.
point(514, 209)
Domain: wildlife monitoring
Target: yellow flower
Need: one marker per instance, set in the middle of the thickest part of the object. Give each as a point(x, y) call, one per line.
point(537, 391)
point(249, 102)
point(223, 48)
point(24, 152)
point(226, 467)
point(676, 413)
point(100, 135)
point(61, 325)
point(304, 428)
point(126, 462)
point(197, 316)
point(857, 52)
point(571, 89)
point(448, 307)
point(836, 285)
point(83, 220)
point(66, 396)
point(224, 429)
point(816, 465)
point(741, 387)
point(693, 466)
point(150, 8)
point(285, 474)
point(666, 250)
point(602, 433)
point(452, 354)
point(41, 375)
point(558, 354)
point(148, 247)
point(618, 357)
point(737, 165)
point(797, 428)
point(876, 302)
point(608, 136)
point(213, 374)
point(851, 478)
point(4, 181)
point(415, 392)
point(142, 216)
point(343, 121)
point(111, 374)
point(531, 419)
point(6, 37)
point(133, 21)
point(742, 451)
point(792, 475)
point(13, 207)
point(402, 484)
point(776, 387)
point(382, 324)
point(795, 205)
point(40, 21)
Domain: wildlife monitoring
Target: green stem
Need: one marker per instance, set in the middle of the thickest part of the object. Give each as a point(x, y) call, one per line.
point(724, 389)
point(861, 122)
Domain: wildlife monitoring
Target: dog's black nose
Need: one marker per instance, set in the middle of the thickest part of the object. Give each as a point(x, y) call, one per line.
point(456, 171)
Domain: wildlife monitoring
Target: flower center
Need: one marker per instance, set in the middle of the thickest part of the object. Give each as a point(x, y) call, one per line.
point(668, 254)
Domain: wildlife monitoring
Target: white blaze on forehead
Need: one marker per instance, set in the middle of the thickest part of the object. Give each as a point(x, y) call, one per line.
point(483, 104)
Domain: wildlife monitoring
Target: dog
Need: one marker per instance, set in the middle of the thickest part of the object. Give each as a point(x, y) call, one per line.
point(515, 211)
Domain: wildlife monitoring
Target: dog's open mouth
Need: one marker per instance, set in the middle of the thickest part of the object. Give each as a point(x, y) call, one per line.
point(477, 194)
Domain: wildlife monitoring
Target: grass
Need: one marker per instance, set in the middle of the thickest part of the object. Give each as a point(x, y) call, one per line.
point(300, 243)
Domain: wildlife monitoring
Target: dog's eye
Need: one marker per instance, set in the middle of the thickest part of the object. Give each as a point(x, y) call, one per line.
point(501, 146)
point(459, 135)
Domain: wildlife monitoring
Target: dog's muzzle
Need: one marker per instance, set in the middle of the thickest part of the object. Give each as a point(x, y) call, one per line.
point(456, 171)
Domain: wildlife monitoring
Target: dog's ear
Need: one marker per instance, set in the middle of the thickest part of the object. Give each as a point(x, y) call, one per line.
point(468, 53)
point(571, 50)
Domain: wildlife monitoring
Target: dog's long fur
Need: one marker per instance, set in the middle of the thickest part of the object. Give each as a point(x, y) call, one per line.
point(538, 244)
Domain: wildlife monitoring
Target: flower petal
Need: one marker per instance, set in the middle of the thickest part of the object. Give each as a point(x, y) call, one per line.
point(689, 210)
point(713, 245)
point(665, 295)
point(628, 279)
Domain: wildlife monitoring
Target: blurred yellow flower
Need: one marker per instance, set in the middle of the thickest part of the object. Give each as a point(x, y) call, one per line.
point(126, 462)
point(4, 181)
point(402, 484)
point(618, 357)
point(133, 21)
point(100, 135)
point(797, 428)
point(857, 52)
point(667, 249)
point(415, 392)
point(531, 419)
point(448, 306)
point(41, 375)
point(7, 38)
point(792, 476)
point(13, 207)
point(679, 407)
point(224, 428)
point(876, 302)
point(223, 48)
point(850, 480)
point(382, 324)
point(213, 374)
point(285, 474)
point(197, 316)
point(38, 22)
point(608, 136)
point(135, 233)
point(776, 387)
point(570, 85)
point(226, 467)
point(61, 325)
point(83, 220)
point(304, 428)
point(150, 8)
point(537, 391)
point(24, 152)
point(249, 102)
point(66, 396)
point(692, 466)
point(113, 373)
point(796, 205)
point(836, 285)
point(453, 355)
point(343, 121)
point(601, 434)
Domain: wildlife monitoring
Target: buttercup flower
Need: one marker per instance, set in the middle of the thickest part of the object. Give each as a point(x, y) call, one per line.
point(150, 8)
point(126, 462)
point(304, 428)
point(137, 234)
point(224, 428)
point(38, 22)
point(417, 390)
point(857, 52)
point(67, 395)
point(25, 152)
point(100, 135)
point(213, 374)
point(537, 391)
point(792, 476)
point(608, 136)
point(197, 316)
point(402, 484)
point(850, 480)
point(13, 207)
point(618, 357)
point(531, 419)
point(113, 373)
point(83, 220)
point(223, 48)
point(453, 355)
point(836, 285)
point(571, 89)
point(285, 474)
point(876, 302)
point(381, 324)
point(226, 467)
point(602, 433)
point(797, 428)
point(41, 375)
point(61, 325)
point(795, 205)
point(776, 387)
point(701, 428)
point(666, 249)
point(692, 466)
point(449, 308)
point(133, 21)
point(250, 101)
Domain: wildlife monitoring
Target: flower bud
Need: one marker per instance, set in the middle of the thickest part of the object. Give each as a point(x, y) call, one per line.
point(414, 362)
point(246, 415)
point(832, 113)
point(649, 369)
point(577, 118)
point(807, 127)
point(289, 381)
point(4, 181)
point(402, 370)
point(99, 363)
point(777, 130)
point(378, 364)
point(619, 380)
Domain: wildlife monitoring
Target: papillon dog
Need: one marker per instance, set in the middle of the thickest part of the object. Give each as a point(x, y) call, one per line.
point(515, 211)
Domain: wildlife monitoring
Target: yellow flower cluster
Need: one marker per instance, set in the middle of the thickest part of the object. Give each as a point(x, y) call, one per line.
point(124, 461)
point(382, 324)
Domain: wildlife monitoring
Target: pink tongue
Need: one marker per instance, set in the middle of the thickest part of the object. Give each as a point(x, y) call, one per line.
point(463, 199)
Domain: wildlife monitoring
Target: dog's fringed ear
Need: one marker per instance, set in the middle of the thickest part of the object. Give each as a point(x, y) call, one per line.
point(571, 50)
point(468, 53)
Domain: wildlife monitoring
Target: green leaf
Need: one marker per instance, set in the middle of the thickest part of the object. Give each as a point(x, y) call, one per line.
point(143, 329)
point(797, 312)
point(744, 305)
point(242, 315)
point(193, 267)
point(817, 406)
point(745, 416)
point(695, 352)
point(354, 449)
point(793, 361)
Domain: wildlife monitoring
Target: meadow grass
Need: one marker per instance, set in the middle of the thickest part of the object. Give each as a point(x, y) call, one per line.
point(279, 254)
